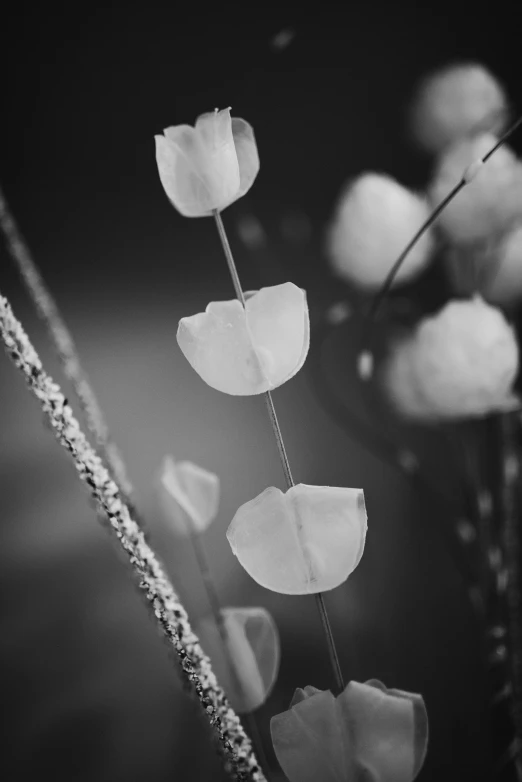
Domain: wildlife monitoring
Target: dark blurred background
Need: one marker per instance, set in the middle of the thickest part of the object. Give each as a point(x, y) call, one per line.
point(89, 692)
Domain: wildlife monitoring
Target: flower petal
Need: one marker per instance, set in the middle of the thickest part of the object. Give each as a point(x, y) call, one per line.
point(180, 162)
point(247, 154)
point(389, 730)
point(253, 650)
point(221, 167)
point(306, 541)
point(308, 739)
point(192, 495)
point(278, 322)
point(249, 351)
point(218, 346)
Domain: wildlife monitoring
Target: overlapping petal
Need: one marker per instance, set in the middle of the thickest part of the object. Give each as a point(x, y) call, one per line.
point(245, 351)
point(306, 541)
point(191, 496)
point(366, 734)
point(247, 669)
point(208, 166)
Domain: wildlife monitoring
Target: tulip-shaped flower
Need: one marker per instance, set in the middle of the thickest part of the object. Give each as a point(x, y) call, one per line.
point(207, 167)
point(305, 541)
point(190, 495)
point(247, 668)
point(250, 350)
point(367, 734)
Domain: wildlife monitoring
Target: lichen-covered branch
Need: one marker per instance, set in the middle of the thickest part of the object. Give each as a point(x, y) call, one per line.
point(169, 612)
point(64, 346)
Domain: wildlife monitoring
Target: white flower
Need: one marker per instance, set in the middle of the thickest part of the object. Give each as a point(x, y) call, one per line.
point(375, 219)
point(304, 541)
point(462, 362)
point(209, 166)
point(490, 202)
point(252, 349)
point(458, 101)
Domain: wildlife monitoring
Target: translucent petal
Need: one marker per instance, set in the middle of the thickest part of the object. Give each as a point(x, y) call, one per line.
point(306, 541)
point(198, 167)
point(220, 166)
point(179, 160)
point(389, 730)
point(366, 734)
point(253, 651)
point(248, 351)
point(308, 740)
point(278, 322)
point(217, 345)
point(192, 494)
point(246, 151)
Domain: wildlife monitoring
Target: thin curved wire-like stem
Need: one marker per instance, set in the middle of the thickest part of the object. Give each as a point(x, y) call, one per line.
point(332, 651)
point(467, 177)
point(170, 614)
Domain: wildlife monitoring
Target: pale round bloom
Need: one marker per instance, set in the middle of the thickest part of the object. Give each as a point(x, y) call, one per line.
point(462, 363)
point(375, 219)
point(402, 386)
point(490, 203)
point(455, 102)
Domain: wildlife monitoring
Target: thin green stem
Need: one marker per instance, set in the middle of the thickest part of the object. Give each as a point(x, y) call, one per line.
point(332, 651)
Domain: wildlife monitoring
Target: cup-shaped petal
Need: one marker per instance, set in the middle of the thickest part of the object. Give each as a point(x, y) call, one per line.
point(209, 166)
point(308, 739)
point(306, 541)
point(247, 155)
point(247, 669)
point(245, 351)
point(389, 730)
point(366, 734)
point(191, 495)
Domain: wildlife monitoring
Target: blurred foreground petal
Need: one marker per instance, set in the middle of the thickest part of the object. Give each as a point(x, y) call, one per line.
point(191, 496)
point(253, 650)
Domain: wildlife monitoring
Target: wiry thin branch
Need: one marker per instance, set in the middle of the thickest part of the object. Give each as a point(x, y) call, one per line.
point(63, 343)
point(168, 610)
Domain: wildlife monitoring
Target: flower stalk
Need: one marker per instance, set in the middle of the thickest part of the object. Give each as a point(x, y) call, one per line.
point(321, 607)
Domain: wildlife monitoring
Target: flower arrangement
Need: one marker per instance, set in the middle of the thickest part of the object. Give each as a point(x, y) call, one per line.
point(453, 368)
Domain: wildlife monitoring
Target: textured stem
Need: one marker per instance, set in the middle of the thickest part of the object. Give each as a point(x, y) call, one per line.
point(168, 610)
point(332, 652)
